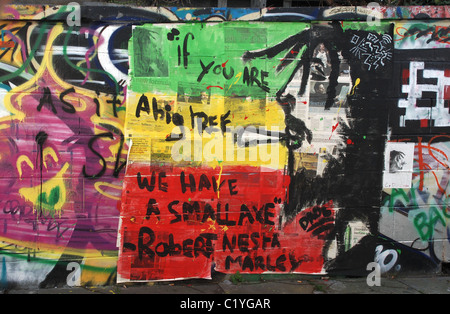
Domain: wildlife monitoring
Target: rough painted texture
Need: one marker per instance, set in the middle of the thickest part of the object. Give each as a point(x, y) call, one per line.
point(91, 192)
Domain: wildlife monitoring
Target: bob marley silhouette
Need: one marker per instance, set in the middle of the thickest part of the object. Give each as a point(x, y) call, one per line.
point(352, 179)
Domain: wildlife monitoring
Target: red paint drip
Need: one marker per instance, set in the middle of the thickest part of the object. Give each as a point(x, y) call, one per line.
point(333, 128)
point(224, 64)
point(419, 153)
point(405, 76)
point(446, 92)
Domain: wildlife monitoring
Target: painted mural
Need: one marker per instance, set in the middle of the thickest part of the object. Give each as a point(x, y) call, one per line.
point(146, 144)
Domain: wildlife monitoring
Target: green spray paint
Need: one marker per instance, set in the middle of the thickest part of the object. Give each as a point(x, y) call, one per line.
point(195, 58)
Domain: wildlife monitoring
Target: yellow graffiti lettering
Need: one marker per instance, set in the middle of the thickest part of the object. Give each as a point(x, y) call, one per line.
point(99, 187)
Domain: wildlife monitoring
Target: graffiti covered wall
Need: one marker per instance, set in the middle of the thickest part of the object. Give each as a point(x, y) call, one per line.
point(164, 143)
point(63, 150)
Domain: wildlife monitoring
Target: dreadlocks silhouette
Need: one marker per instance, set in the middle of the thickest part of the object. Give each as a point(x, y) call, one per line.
point(347, 179)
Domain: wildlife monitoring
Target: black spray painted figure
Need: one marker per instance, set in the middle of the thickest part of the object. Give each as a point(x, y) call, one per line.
point(352, 178)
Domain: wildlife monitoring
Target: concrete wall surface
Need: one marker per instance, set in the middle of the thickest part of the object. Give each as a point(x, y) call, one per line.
point(161, 143)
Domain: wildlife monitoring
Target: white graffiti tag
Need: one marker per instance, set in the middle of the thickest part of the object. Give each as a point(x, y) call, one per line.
point(386, 259)
point(439, 113)
point(373, 50)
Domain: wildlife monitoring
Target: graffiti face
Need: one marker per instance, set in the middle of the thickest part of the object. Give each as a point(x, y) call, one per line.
point(396, 161)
